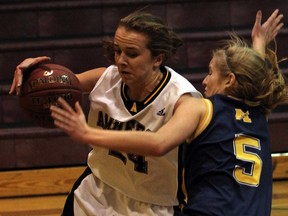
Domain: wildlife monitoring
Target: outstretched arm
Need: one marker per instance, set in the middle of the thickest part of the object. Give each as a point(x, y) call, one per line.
point(183, 123)
point(263, 34)
point(87, 79)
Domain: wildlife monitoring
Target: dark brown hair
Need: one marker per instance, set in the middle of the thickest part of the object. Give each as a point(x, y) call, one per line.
point(162, 39)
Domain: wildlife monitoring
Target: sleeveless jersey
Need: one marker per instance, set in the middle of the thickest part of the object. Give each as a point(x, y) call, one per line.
point(147, 179)
point(228, 168)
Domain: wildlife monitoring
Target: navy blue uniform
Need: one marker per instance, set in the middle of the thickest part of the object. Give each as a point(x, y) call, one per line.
point(228, 167)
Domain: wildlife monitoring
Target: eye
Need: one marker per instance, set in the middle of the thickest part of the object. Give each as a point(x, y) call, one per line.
point(210, 72)
point(117, 50)
point(132, 54)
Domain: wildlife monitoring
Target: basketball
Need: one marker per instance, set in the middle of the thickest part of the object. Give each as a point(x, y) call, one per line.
point(42, 85)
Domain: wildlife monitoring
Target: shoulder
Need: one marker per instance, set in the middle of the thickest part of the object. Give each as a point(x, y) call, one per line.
point(223, 102)
point(182, 84)
point(88, 78)
point(194, 106)
point(176, 76)
point(110, 69)
point(204, 109)
point(220, 100)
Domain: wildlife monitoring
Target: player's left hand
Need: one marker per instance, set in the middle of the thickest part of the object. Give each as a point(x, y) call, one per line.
point(263, 34)
point(73, 122)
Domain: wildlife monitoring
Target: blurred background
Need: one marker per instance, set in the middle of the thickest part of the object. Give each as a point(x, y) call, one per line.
point(71, 33)
point(39, 165)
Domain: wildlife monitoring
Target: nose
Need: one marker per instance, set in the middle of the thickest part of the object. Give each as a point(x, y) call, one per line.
point(121, 59)
point(204, 82)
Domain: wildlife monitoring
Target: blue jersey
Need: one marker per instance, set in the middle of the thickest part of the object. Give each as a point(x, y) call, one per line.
point(228, 168)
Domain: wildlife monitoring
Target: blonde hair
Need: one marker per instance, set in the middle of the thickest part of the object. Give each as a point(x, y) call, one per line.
point(259, 81)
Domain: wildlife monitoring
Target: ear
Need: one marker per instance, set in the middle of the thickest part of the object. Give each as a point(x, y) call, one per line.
point(230, 80)
point(158, 60)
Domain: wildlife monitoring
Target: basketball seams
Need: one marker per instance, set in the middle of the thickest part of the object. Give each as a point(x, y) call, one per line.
point(46, 89)
point(56, 94)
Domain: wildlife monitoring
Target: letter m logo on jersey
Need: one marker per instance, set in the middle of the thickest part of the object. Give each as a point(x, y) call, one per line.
point(242, 116)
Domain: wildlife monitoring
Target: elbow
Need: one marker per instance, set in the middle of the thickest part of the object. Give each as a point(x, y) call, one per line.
point(160, 149)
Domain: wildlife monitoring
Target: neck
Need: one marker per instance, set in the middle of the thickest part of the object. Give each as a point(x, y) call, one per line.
point(140, 93)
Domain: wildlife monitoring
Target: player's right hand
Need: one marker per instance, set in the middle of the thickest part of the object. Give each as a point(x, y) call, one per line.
point(18, 74)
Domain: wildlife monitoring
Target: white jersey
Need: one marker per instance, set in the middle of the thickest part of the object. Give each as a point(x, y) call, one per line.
point(146, 179)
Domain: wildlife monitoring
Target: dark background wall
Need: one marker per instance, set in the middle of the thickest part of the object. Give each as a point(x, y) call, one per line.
point(71, 32)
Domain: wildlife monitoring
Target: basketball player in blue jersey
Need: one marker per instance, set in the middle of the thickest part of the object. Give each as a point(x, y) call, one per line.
point(227, 158)
point(227, 161)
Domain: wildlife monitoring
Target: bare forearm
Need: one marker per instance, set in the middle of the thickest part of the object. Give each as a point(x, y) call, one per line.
point(260, 47)
point(137, 142)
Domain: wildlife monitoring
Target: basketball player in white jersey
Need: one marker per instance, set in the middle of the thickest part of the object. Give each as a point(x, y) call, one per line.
point(138, 92)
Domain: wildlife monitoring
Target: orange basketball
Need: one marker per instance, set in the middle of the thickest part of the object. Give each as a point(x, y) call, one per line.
point(42, 85)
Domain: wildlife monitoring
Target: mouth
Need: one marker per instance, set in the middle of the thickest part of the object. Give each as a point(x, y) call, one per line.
point(125, 73)
point(205, 92)
point(122, 70)
point(126, 76)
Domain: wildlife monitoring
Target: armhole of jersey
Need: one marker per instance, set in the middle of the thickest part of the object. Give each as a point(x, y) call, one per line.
point(100, 79)
point(205, 121)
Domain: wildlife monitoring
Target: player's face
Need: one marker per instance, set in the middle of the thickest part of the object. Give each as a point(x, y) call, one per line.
point(133, 58)
point(215, 82)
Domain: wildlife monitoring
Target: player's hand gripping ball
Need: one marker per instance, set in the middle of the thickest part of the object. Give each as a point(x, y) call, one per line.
point(42, 85)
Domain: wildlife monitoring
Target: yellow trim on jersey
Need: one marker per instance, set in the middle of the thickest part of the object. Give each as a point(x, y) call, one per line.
point(158, 89)
point(207, 118)
point(205, 121)
point(183, 187)
point(123, 91)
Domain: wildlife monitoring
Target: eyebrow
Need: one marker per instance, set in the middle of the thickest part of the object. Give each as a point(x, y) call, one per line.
point(129, 48)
